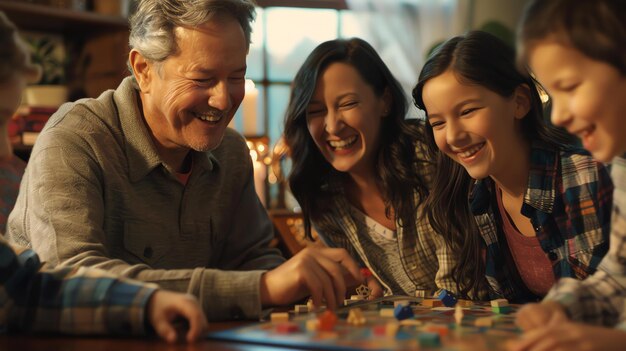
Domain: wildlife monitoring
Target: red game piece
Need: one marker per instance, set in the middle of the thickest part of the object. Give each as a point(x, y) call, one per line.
point(327, 321)
point(366, 272)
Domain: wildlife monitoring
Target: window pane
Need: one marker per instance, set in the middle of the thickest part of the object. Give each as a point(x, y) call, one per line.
point(278, 98)
point(353, 25)
point(255, 56)
point(292, 33)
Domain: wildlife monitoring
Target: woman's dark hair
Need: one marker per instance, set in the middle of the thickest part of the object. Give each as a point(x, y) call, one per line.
point(477, 58)
point(396, 156)
point(596, 28)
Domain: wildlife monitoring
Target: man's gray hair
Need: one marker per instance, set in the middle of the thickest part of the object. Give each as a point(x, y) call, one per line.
point(152, 25)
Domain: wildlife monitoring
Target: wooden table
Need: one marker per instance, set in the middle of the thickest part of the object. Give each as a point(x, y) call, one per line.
point(107, 343)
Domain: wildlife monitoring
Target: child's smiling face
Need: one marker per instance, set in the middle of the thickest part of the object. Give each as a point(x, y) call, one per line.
point(588, 96)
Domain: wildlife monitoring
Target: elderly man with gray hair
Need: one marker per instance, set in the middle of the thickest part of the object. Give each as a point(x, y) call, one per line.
point(147, 181)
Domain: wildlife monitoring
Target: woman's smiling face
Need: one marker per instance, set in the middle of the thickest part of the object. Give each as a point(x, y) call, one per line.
point(344, 118)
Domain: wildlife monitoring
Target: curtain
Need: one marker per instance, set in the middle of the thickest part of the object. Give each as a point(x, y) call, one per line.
point(404, 31)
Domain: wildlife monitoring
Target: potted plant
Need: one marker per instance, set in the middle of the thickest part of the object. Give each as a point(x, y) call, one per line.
point(51, 90)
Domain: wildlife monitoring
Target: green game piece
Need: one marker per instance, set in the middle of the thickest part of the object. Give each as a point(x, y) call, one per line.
point(429, 339)
point(501, 309)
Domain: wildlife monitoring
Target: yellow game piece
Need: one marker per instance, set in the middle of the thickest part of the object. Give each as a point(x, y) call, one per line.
point(432, 303)
point(356, 317)
point(499, 303)
point(279, 317)
point(312, 324)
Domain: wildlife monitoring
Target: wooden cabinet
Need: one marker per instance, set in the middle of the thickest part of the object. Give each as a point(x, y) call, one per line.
point(97, 44)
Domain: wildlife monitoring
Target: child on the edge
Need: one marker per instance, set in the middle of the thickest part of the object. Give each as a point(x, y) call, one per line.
point(577, 50)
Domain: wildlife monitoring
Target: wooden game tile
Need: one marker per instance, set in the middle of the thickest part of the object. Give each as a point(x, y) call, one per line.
point(432, 303)
point(301, 309)
point(312, 325)
point(499, 302)
point(279, 317)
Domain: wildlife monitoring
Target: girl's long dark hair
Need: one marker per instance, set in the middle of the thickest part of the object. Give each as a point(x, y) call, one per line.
point(481, 59)
point(396, 156)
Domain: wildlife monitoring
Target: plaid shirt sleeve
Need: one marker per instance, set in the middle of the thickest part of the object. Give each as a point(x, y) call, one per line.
point(601, 298)
point(67, 300)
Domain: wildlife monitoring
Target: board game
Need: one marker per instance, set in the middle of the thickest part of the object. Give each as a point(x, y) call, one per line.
point(480, 328)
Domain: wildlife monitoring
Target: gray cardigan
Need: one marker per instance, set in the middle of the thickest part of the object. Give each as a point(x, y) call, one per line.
point(95, 193)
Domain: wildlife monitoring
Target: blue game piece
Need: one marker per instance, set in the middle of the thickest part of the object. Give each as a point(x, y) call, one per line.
point(429, 339)
point(403, 312)
point(447, 298)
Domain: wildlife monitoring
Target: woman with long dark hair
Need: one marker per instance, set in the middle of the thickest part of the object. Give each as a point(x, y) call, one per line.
point(359, 169)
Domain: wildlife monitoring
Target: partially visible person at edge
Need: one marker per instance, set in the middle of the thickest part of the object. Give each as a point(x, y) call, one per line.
point(147, 181)
point(577, 50)
point(538, 208)
point(359, 169)
point(72, 300)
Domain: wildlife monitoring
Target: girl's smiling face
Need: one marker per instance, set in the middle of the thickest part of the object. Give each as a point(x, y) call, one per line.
point(344, 118)
point(473, 125)
point(588, 96)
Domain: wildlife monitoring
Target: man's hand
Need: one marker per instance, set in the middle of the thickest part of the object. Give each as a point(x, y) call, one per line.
point(323, 273)
point(166, 308)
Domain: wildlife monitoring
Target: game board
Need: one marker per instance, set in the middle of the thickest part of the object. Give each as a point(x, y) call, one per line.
point(348, 337)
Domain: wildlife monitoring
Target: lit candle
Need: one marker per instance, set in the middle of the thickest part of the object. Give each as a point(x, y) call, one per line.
point(250, 109)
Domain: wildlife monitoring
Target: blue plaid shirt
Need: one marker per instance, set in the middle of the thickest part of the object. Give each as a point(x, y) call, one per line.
point(568, 201)
point(601, 298)
point(67, 300)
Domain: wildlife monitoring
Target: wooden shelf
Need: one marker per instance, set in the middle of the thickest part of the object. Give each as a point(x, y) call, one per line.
point(34, 17)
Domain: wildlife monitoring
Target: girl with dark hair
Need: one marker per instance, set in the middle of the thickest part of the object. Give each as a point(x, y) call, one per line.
point(359, 171)
point(577, 49)
point(538, 209)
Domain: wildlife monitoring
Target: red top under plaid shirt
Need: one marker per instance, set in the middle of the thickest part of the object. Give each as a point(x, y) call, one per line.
point(568, 200)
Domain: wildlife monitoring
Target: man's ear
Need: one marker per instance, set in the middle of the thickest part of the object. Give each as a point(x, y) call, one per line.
point(522, 101)
point(142, 70)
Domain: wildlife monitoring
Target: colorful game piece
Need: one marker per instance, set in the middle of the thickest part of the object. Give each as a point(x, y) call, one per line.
point(501, 309)
point(279, 317)
point(499, 302)
point(447, 298)
point(327, 320)
point(458, 314)
point(403, 312)
point(386, 312)
point(309, 305)
point(429, 339)
point(301, 309)
point(356, 317)
point(432, 303)
point(287, 328)
point(312, 325)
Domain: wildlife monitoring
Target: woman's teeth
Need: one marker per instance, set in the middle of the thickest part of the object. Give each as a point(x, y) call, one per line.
point(342, 144)
point(470, 152)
